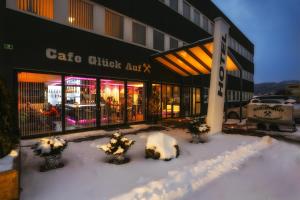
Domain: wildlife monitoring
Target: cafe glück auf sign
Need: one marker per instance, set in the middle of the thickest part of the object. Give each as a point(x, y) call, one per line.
point(71, 57)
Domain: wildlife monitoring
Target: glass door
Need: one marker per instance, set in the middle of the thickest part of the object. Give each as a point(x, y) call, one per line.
point(170, 101)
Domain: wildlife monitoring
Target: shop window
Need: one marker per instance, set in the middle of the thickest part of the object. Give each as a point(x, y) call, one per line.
point(187, 106)
point(135, 101)
point(42, 8)
point(197, 17)
point(173, 43)
point(114, 24)
point(174, 5)
point(186, 10)
point(158, 40)
point(81, 14)
point(155, 101)
point(112, 102)
point(39, 103)
point(196, 101)
point(176, 101)
point(138, 33)
point(170, 101)
point(80, 105)
point(164, 101)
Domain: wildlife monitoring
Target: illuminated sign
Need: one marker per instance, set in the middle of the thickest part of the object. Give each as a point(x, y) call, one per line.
point(71, 57)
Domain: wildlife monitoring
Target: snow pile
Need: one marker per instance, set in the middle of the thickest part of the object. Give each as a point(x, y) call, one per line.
point(49, 146)
point(161, 146)
point(180, 182)
point(6, 163)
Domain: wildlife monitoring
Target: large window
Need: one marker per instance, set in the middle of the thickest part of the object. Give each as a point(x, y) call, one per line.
point(135, 101)
point(138, 33)
point(114, 24)
point(174, 4)
point(155, 101)
point(173, 43)
point(39, 103)
point(80, 105)
point(205, 23)
point(80, 14)
point(170, 101)
point(186, 10)
point(42, 8)
point(158, 40)
point(197, 17)
point(112, 102)
point(196, 101)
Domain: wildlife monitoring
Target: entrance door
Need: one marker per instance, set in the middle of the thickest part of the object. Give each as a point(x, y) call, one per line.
point(170, 101)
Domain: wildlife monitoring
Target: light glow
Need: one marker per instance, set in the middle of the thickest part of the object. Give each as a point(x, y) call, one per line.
point(183, 54)
point(170, 66)
point(181, 64)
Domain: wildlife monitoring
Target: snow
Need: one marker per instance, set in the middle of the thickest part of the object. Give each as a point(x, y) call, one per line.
point(45, 145)
point(163, 144)
point(228, 167)
point(7, 162)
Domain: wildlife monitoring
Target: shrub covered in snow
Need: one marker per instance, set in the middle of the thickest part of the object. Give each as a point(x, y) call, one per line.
point(49, 146)
point(161, 146)
point(50, 149)
point(117, 148)
point(199, 130)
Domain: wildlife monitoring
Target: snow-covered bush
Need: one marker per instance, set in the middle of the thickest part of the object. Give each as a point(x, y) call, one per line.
point(117, 148)
point(50, 149)
point(49, 146)
point(161, 146)
point(199, 130)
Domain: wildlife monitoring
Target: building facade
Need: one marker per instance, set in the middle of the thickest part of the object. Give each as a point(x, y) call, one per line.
point(75, 65)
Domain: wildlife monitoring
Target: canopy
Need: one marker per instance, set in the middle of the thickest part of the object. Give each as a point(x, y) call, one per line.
point(193, 59)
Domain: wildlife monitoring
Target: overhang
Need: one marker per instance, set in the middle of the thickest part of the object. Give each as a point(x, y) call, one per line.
point(193, 59)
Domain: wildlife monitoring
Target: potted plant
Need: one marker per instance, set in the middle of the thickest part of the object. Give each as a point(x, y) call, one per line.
point(117, 148)
point(50, 149)
point(199, 130)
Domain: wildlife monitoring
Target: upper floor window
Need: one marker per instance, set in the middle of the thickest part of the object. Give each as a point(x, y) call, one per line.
point(173, 43)
point(158, 40)
point(197, 17)
point(114, 24)
point(204, 22)
point(80, 14)
point(42, 8)
point(186, 10)
point(138, 33)
point(174, 5)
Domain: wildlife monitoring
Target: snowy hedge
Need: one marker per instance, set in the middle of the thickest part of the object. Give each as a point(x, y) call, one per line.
point(117, 147)
point(161, 146)
point(49, 146)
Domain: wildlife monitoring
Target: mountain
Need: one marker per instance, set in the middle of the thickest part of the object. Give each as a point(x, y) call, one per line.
point(272, 87)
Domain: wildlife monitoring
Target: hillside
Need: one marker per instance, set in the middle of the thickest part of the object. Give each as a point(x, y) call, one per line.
point(271, 87)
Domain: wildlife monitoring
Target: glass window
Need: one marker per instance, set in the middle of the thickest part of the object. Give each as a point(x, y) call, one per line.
point(187, 101)
point(135, 101)
point(186, 10)
point(174, 5)
point(112, 102)
point(155, 101)
point(205, 23)
point(176, 101)
point(80, 105)
point(197, 17)
point(39, 103)
point(138, 33)
point(42, 8)
point(173, 43)
point(114, 24)
point(81, 14)
point(164, 101)
point(196, 101)
point(158, 40)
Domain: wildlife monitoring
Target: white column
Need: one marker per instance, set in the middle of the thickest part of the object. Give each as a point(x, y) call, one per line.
point(167, 42)
point(11, 4)
point(149, 42)
point(127, 29)
point(180, 6)
point(217, 90)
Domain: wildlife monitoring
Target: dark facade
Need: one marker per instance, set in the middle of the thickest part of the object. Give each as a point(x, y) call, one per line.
point(27, 39)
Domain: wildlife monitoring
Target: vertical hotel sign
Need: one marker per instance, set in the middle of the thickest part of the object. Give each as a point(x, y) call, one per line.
point(217, 88)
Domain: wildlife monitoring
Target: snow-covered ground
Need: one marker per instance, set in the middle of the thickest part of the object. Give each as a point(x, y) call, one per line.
point(227, 167)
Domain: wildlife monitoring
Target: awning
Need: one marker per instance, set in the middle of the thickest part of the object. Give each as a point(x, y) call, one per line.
point(193, 59)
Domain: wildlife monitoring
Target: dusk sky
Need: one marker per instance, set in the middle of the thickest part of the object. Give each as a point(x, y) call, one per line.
point(274, 27)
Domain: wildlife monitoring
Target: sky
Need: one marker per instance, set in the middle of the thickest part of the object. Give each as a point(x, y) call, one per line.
point(274, 28)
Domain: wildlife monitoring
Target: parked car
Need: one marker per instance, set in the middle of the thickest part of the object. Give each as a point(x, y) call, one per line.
point(234, 113)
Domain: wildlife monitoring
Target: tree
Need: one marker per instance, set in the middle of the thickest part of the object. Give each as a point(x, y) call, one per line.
point(154, 106)
point(7, 137)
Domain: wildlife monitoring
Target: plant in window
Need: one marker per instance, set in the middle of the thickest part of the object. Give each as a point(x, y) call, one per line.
point(8, 139)
point(50, 149)
point(154, 106)
point(117, 148)
point(199, 130)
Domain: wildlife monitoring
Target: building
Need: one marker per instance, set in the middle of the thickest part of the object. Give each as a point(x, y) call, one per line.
point(79, 64)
